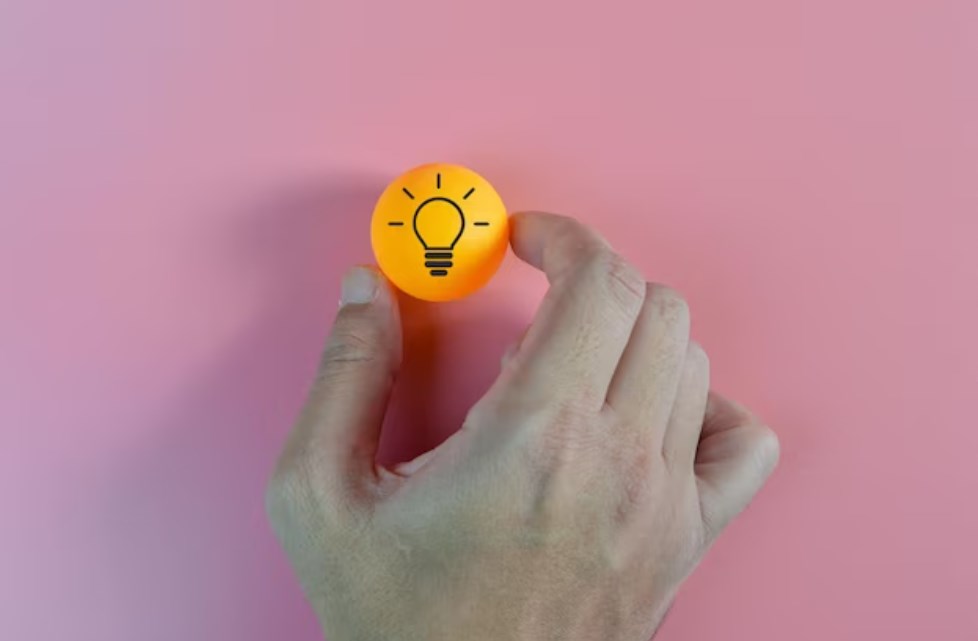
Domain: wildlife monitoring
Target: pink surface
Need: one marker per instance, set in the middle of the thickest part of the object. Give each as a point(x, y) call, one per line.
point(182, 182)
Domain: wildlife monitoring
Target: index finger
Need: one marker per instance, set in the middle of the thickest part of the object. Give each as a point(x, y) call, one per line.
point(572, 349)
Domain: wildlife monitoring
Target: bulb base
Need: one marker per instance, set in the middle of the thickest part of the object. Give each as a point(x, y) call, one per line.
point(438, 261)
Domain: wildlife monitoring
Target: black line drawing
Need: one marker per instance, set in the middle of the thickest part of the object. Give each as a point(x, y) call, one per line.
point(438, 258)
point(435, 251)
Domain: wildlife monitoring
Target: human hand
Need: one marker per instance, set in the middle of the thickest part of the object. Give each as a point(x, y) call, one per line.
point(579, 493)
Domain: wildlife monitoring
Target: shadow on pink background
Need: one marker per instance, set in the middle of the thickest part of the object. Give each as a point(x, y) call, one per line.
point(182, 184)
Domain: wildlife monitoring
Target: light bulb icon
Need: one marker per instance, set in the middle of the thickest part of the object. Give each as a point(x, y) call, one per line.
point(438, 224)
point(439, 231)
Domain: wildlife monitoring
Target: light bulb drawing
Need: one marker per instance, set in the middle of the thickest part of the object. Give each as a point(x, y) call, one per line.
point(438, 224)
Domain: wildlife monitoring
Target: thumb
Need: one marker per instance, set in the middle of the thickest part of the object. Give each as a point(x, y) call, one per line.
point(337, 432)
point(736, 455)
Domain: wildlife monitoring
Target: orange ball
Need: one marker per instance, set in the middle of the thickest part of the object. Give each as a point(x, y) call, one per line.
point(439, 232)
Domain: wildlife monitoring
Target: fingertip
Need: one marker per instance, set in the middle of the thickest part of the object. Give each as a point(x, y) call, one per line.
point(367, 286)
point(361, 285)
point(768, 447)
point(368, 312)
point(525, 237)
point(385, 291)
point(551, 241)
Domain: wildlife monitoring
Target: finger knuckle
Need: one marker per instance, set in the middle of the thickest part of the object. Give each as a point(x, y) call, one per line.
point(617, 276)
point(348, 346)
point(669, 303)
point(636, 481)
point(567, 433)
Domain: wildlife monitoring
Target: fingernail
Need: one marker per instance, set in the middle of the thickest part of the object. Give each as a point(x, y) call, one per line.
point(359, 286)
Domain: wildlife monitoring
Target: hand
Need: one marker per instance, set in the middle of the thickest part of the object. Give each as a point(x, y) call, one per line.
point(579, 493)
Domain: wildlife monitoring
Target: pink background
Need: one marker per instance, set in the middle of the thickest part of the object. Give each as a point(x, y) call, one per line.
point(182, 182)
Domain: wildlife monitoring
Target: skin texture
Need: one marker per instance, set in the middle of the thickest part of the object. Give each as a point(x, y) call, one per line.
point(580, 492)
